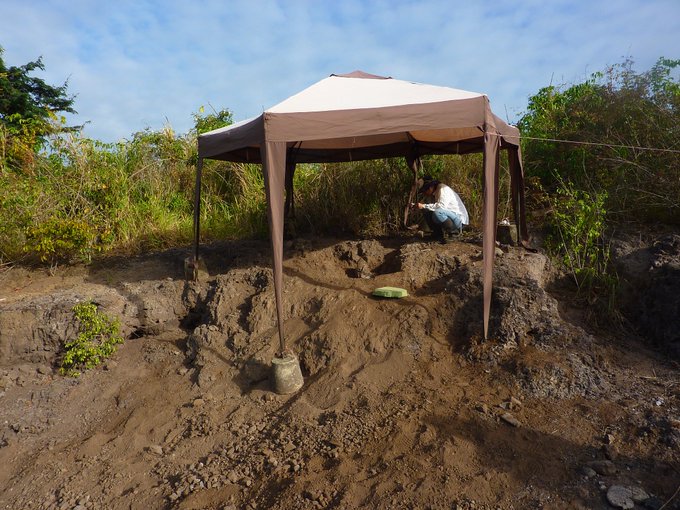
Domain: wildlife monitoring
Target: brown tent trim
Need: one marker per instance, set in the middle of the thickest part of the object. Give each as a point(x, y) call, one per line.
point(490, 211)
point(340, 155)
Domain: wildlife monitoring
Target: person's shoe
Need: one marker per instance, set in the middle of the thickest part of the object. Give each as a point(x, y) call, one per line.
point(448, 226)
point(450, 230)
point(435, 235)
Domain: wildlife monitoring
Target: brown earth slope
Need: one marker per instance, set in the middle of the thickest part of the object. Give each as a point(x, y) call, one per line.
point(403, 405)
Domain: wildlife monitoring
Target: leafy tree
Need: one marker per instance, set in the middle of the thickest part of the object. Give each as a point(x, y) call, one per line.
point(207, 122)
point(28, 108)
point(615, 119)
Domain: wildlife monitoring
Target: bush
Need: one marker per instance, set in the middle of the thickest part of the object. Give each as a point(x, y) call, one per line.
point(625, 127)
point(577, 237)
point(60, 240)
point(98, 336)
point(364, 198)
point(605, 152)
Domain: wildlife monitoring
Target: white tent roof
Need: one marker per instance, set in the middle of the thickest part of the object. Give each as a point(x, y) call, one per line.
point(340, 93)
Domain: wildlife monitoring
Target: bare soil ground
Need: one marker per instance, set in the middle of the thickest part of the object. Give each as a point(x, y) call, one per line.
point(403, 406)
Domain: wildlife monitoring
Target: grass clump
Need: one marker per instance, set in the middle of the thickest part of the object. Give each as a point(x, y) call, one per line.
point(98, 337)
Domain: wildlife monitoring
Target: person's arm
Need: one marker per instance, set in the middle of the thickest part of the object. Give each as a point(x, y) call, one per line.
point(439, 199)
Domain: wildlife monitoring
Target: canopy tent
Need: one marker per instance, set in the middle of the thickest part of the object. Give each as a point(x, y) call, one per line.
point(359, 116)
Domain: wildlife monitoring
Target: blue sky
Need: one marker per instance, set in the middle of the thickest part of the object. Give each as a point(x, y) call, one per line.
point(146, 64)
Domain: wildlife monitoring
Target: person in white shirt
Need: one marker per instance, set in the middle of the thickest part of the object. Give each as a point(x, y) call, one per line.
point(446, 214)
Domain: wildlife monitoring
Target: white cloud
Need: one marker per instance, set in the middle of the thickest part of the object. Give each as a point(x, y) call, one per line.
point(139, 64)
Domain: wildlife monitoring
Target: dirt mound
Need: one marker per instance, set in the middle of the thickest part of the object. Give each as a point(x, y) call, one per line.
point(404, 405)
point(650, 284)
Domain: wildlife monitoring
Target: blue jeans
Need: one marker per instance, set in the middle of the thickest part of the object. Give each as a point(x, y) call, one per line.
point(439, 216)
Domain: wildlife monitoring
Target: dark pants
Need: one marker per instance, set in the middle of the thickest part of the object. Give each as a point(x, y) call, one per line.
point(434, 226)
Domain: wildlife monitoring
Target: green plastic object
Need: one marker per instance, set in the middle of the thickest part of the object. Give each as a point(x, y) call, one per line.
point(390, 292)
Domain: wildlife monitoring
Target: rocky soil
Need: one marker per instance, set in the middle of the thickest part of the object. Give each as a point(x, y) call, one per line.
point(404, 405)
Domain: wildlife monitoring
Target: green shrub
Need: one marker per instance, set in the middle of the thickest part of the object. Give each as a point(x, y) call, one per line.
point(624, 128)
point(98, 336)
point(577, 237)
point(57, 239)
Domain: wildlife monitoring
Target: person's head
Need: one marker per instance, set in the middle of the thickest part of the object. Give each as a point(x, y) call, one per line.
point(428, 186)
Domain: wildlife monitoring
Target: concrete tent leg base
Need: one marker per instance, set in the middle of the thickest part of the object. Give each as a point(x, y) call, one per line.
point(287, 374)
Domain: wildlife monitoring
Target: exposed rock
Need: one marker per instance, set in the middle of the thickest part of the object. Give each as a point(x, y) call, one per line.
point(588, 472)
point(620, 497)
point(639, 495)
point(155, 449)
point(509, 418)
point(603, 467)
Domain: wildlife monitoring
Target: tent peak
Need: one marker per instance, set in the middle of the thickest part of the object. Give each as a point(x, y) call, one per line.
point(362, 74)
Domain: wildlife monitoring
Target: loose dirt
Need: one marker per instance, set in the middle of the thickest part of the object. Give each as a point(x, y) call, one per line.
point(403, 406)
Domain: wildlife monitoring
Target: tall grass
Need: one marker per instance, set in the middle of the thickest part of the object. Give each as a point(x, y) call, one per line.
point(84, 198)
point(367, 198)
point(364, 198)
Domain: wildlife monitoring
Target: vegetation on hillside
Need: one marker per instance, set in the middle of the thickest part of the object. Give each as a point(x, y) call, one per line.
point(624, 133)
point(605, 154)
point(597, 154)
point(97, 339)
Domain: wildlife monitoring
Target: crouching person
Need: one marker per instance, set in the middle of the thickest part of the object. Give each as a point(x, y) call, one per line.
point(444, 210)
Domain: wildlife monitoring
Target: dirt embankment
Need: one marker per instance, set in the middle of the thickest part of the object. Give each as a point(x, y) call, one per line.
point(404, 405)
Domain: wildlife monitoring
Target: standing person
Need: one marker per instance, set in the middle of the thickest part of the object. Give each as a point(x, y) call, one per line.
point(445, 214)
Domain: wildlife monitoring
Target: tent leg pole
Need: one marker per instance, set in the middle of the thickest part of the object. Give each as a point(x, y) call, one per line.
point(414, 162)
point(191, 263)
point(490, 158)
point(197, 207)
